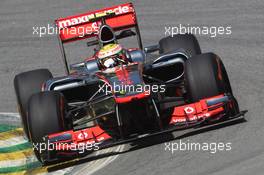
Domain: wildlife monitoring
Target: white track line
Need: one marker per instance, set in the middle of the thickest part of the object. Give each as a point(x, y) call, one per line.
point(15, 114)
point(18, 162)
point(12, 141)
point(99, 164)
point(106, 162)
point(13, 163)
point(59, 172)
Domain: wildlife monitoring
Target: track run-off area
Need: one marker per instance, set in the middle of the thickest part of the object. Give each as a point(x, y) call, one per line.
point(17, 156)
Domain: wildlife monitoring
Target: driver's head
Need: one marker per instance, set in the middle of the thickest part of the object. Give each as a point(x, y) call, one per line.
point(110, 55)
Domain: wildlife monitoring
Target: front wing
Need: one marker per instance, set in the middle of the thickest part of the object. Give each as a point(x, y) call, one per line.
point(206, 113)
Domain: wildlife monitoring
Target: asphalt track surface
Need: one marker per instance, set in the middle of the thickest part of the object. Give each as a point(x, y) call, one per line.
point(242, 53)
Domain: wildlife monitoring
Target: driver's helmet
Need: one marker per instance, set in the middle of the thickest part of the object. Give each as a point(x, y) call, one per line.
point(110, 55)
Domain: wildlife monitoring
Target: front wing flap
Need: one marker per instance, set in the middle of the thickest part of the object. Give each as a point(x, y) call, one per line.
point(208, 112)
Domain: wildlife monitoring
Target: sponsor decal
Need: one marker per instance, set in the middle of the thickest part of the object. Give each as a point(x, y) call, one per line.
point(188, 110)
point(195, 117)
point(82, 136)
point(86, 18)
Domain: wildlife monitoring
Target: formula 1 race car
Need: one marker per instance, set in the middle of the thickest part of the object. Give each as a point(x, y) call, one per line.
point(119, 95)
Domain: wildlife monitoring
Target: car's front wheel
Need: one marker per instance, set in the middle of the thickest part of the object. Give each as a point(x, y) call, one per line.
point(187, 42)
point(205, 76)
point(26, 84)
point(45, 116)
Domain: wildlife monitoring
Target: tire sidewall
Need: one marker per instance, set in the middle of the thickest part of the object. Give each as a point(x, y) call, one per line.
point(204, 77)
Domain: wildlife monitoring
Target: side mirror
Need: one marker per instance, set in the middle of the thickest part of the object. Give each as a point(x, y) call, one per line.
point(151, 49)
point(77, 66)
point(92, 66)
point(136, 56)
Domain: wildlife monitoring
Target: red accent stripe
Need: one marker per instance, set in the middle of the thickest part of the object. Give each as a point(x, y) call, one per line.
point(199, 110)
point(123, 76)
point(131, 98)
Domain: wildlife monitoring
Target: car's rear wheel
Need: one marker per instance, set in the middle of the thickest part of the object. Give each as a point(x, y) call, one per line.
point(205, 76)
point(187, 42)
point(46, 113)
point(26, 84)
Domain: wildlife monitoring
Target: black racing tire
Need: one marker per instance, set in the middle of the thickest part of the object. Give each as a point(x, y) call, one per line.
point(26, 84)
point(205, 76)
point(188, 42)
point(46, 115)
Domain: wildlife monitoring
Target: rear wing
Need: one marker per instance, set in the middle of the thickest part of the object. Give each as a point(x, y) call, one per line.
point(87, 25)
point(78, 27)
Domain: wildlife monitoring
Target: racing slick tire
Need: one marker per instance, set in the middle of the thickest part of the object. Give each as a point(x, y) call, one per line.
point(205, 76)
point(188, 42)
point(26, 84)
point(46, 111)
